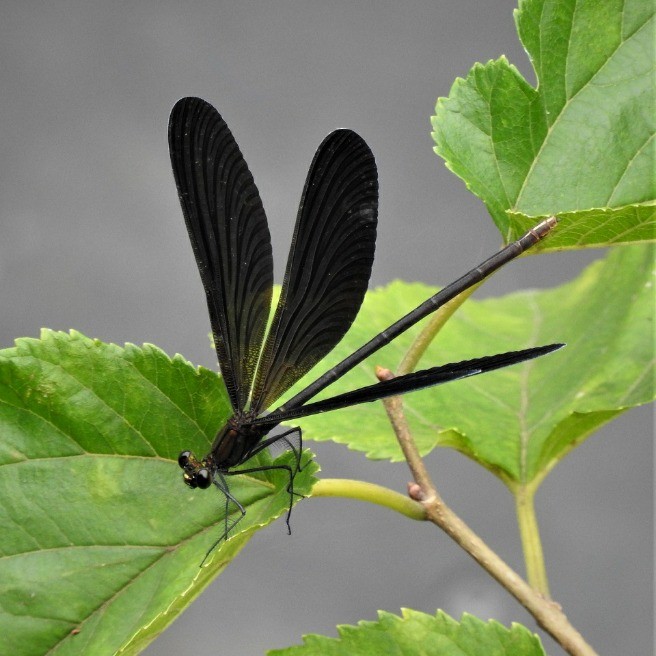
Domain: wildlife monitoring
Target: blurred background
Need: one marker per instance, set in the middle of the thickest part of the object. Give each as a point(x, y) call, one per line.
point(92, 238)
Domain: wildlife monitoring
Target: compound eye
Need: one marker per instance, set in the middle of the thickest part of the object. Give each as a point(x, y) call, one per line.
point(183, 458)
point(203, 478)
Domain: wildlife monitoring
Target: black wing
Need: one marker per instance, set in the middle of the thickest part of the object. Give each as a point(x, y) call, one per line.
point(410, 382)
point(229, 234)
point(329, 264)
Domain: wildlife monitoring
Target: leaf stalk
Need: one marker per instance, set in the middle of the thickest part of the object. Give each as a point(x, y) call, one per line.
point(529, 532)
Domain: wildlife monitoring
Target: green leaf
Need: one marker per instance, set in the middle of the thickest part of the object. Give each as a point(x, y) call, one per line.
point(420, 634)
point(520, 421)
point(101, 541)
point(581, 145)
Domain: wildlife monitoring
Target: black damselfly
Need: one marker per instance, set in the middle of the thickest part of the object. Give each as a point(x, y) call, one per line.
point(325, 282)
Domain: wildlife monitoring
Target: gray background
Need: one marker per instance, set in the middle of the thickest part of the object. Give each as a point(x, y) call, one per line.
point(91, 237)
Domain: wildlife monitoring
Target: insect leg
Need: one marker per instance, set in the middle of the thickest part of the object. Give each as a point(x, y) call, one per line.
point(222, 484)
point(291, 472)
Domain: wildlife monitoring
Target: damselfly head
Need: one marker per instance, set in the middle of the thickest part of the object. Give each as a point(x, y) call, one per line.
point(196, 473)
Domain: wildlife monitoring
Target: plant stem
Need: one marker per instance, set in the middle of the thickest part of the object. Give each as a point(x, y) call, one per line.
point(382, 496)
point(529, 532)
point(394, 408)
point(548, 614)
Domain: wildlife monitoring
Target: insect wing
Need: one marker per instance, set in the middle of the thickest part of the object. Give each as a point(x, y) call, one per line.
point(329, 264)
point(229, 235)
